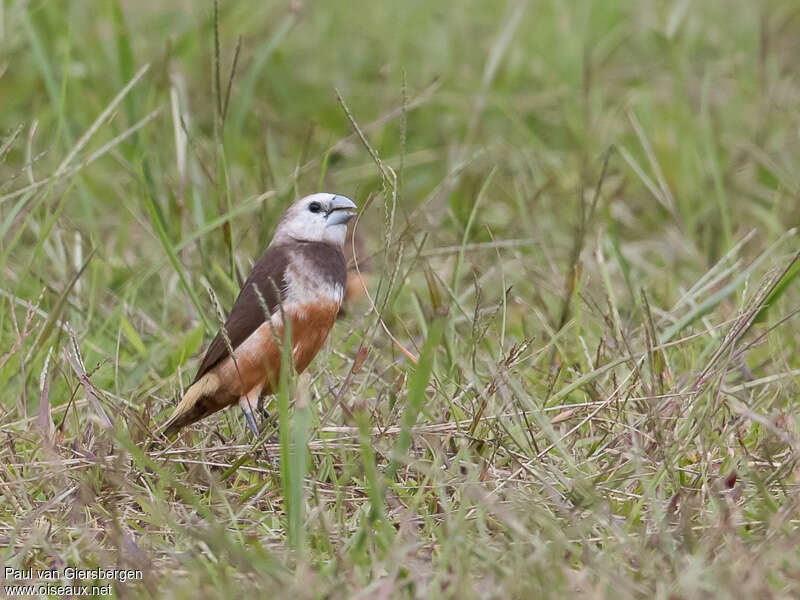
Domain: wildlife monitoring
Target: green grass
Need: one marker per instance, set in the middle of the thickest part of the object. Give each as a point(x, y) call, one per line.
point(580, 221)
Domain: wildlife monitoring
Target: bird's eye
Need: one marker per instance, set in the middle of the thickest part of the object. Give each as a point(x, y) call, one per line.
point(315, 207)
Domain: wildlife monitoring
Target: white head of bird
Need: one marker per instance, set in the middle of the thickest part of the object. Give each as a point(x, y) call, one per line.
point(319, 217)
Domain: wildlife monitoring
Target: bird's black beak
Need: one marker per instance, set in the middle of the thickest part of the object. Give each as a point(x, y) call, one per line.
point(342, 209)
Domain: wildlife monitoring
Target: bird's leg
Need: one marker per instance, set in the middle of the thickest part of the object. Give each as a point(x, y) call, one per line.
point(246, 403)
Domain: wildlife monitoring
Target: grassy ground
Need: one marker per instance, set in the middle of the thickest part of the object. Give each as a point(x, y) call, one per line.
point(579, 219)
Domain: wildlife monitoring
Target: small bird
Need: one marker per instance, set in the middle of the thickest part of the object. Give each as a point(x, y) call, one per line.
point(301, 279)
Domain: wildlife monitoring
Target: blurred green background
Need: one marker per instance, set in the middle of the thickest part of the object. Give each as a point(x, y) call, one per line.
point(604, 194)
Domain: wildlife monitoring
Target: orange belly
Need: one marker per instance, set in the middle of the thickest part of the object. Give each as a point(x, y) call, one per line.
point(258, 359)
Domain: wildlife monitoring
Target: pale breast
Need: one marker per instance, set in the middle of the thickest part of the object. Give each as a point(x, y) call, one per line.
point(305, 284)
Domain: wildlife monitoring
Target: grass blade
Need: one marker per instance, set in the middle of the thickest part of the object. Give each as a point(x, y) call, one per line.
point(157, 219)
point(417, 386)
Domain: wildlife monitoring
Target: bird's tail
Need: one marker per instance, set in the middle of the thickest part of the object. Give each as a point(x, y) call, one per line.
point(199, 401)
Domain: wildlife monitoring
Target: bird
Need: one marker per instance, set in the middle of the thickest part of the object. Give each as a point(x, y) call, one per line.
point(300, 279)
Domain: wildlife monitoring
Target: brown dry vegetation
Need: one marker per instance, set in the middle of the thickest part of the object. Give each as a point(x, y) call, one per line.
point(575, 370)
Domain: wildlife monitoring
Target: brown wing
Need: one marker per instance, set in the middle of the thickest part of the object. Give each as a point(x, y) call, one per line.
point(247, 313)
